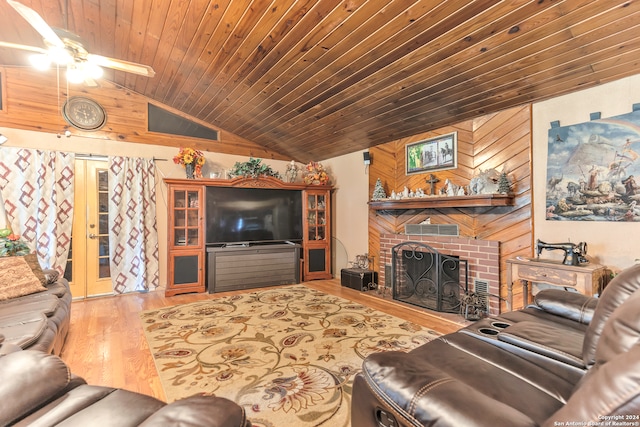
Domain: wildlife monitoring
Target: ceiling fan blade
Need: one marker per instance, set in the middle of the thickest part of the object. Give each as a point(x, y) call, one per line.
point(39, 24)
point(88, 81)
point(23, 47)
point(121, 65)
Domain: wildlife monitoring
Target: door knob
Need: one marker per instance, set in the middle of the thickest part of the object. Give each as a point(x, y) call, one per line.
point(93, 236)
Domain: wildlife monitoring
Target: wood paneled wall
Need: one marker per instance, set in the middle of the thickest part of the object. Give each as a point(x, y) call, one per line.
point(501, 141)
point(33, 101)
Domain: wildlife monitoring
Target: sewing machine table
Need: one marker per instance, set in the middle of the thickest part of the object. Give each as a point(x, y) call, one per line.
point(588, 279)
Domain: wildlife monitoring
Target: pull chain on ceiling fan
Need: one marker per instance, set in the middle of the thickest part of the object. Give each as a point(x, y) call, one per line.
point(66, 49)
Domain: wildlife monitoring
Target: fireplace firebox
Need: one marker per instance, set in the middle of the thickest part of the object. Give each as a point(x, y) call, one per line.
point(422, 276)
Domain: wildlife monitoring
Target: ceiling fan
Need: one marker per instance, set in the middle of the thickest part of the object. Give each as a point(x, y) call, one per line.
point(66, 49)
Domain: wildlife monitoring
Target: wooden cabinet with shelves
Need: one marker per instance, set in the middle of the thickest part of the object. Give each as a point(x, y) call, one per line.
point(317, 233)
point(187, 250)
point(186, 239)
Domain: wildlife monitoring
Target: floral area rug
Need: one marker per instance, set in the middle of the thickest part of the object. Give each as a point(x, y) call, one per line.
point(287, 355)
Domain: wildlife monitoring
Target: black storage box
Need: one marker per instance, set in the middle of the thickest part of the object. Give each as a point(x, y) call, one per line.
point(359, 278)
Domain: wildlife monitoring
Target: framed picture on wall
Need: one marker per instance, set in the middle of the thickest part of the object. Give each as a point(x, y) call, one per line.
point(433, 154)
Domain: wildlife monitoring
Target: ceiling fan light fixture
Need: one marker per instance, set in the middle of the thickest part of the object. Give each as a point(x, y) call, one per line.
point(66, 49)
point(40, 61)
point(60, 56)
point(92, 70)
point(75, 74)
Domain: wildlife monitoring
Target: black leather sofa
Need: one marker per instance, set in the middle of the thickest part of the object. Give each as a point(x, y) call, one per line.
point(38, 389)
point(566, 360)
point(38, 321)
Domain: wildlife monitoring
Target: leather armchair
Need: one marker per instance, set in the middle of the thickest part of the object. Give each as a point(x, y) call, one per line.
point(38, 389)
point(582, 367)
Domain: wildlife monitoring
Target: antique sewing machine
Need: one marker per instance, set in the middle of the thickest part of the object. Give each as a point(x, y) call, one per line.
point(574, 254)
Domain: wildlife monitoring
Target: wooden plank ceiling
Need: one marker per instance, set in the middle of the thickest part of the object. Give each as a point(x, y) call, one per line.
point(316, 79)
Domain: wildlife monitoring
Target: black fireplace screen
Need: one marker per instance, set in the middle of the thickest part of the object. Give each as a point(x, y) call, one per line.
point(422, 276)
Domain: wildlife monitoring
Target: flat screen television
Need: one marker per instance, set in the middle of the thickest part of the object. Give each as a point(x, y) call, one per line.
point(252, 215)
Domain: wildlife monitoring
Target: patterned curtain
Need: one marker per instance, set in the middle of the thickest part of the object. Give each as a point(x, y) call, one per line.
point(37, 190)
point(133, 237)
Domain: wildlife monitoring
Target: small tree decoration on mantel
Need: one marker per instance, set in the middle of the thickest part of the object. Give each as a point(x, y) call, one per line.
point(253, 169)
point(378, 191)
point(504, 186)
point(192, 160)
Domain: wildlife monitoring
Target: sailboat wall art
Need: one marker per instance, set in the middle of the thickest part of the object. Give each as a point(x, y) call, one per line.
point(593, 170)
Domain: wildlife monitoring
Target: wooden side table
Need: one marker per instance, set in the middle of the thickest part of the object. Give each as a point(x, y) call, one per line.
point(586, 279)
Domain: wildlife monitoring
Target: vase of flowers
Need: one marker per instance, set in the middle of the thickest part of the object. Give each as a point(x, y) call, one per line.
point(190, 170)
point(315, 174)
point(192, 160)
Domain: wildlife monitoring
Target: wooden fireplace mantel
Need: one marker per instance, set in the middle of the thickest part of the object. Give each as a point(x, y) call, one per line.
point(478, 200)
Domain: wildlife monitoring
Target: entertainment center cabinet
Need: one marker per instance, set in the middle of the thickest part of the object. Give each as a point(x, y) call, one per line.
point(195, 266)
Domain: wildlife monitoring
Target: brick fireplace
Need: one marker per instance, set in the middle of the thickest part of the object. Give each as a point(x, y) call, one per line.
point(482, 256)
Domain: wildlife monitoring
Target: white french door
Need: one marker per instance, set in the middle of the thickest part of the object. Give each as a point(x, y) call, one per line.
point(88, 268)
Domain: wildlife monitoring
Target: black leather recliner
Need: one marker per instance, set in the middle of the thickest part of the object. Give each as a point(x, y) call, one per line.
point(525, 373)
point(38, 389)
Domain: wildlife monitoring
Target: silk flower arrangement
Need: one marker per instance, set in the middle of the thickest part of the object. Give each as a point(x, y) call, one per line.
point(190, 159)
point(314, 173)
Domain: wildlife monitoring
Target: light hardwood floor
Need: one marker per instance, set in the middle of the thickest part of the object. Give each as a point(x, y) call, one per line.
point(106, 344)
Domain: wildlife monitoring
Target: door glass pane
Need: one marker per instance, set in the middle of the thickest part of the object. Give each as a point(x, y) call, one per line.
point(320, 202)
point(193, 237)
point(311, 202)
point(104, 270)
point(321, 219)
point(193, 199)
point(103, 181)
point(192, 219)
point(103, 198)
point(179, 199)
point(179, 218)
point(180, 238)
point(103, 224)
point(103, 246)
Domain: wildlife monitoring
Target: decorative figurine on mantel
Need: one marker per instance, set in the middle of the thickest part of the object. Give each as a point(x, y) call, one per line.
point(432, 182)
point(451, 189)
point(378, 191)
point(485, 182)
point(292, 171)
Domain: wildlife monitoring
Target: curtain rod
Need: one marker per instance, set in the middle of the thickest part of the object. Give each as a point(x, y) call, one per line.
point(105, 158)
point(84, 156)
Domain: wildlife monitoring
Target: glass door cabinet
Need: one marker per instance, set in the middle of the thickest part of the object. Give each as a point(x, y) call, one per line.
point(186, 240)
point(317, 233)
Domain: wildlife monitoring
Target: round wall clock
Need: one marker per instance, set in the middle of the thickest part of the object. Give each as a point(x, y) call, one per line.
point(84, 113)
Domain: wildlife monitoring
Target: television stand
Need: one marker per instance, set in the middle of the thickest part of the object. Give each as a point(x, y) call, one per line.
point(237, 267)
